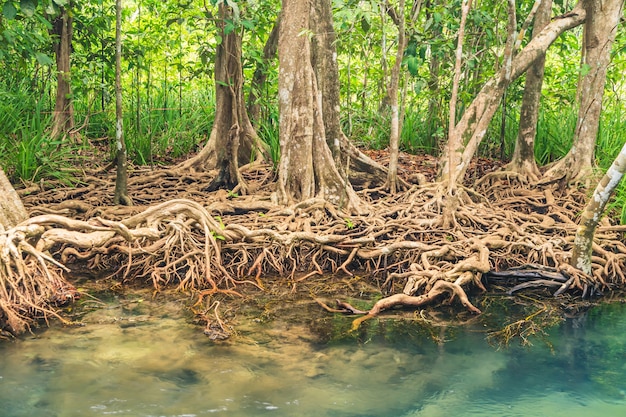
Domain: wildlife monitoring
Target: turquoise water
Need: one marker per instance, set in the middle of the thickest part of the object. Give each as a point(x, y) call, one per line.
point(149, 361)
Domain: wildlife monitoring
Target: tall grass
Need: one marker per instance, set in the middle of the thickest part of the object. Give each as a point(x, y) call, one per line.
point(172, 132)
point(27, 152)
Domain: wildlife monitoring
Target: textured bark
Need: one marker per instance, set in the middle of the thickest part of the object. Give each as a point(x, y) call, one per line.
point(349, 160)
point(306, 168)
point(523, 160)
point(455, 140)
point(472, 127)
point(63, 115)
point(233, 141)
point(583, 242)
point(121, 160)
point(392, 92)
point(603, 16)
point(12, 210)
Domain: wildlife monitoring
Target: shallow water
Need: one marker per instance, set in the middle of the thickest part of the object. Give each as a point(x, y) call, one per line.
point(147, 360)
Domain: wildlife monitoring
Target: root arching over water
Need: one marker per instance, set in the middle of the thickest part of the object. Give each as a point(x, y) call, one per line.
point(177, 235)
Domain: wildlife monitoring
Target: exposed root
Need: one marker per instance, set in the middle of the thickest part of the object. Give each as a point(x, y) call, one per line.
point(217, 244)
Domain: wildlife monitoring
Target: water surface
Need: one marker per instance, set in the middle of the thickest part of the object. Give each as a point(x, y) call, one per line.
point(148, 360)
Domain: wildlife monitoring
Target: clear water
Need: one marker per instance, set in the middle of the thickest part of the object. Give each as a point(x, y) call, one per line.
point(146, 360)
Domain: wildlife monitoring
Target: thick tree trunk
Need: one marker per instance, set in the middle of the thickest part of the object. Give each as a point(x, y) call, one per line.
point(523, 160)
point(233, 141)
point(63, 115)
point(12, 210)
point(307, 169)
point(121, 160)
point(583, 242)
point(471, 129)
point(349, 160)
point(603, 16)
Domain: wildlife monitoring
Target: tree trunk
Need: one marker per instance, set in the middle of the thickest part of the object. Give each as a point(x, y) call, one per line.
point(12, 210)
point(307, 169)
point(63, 115)
point(583, 242)
point(121, 160)
point(523, 160)
point(233, 141)
point(600, 30)
point(392, 92)
point(349, 160)
point(260, 74)
point(471, 129)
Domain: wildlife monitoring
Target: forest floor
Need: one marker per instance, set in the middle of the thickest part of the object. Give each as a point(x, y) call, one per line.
point(506, 238)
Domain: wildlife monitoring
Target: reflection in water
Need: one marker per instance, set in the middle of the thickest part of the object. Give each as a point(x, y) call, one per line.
point(151, 362)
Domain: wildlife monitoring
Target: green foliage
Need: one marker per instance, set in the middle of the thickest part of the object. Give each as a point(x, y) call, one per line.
point(27, 152)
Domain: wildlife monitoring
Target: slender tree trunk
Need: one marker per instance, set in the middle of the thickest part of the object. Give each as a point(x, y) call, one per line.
point(121, 179)
point(472, 127)
point(392, 92)
point(603, 16)
point(523, 160)
point(233, 141)
point(260, 74)
point(307, 169)
point(63, 115)
point(12, 210)
point(583, 242)
point(455, 140)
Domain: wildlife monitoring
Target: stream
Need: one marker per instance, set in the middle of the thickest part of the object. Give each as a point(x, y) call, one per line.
point(144, 358)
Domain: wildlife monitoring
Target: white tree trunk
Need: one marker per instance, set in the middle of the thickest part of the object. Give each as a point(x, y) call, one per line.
point(583, 242)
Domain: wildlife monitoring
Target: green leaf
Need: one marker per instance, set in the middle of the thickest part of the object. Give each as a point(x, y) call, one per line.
point(61, 3)
point(43, 59)
point(412, 63)
point(365, 24)
point(248, 24)
point(584, 69)
point(9, 11)
point(229, 27)
point(28, 7)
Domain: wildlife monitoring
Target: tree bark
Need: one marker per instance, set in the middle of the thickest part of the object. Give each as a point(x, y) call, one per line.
point(63, 115)
point(233, 141)
point(603, 16)
point(349, 160)
point(12, 210)
point(583, 242)
point(472, 127)
point(307, 169)
point(121, 159)
point(523, 160)
point(392, 92)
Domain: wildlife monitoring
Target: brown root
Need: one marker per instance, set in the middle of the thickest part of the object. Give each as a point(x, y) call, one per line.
point(217, 243)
